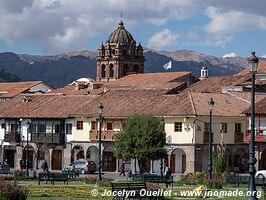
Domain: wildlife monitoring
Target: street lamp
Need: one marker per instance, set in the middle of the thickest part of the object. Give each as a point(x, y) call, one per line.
point(253, 62)
point(210, 106)
point(27, 149)
point(100, 112)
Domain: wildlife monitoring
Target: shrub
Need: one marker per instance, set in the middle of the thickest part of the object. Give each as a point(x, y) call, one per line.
point(12, 191)
point(193, 178)
point(19, 175)
point(219, 163)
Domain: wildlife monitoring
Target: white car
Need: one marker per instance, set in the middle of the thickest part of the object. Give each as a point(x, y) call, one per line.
point(260, 174)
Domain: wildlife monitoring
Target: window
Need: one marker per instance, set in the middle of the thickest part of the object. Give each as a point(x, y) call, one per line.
point(93, 125)
point(178, 126)
point(79, 125)
point(69, 129)
point(238, 128)
point(206, 127)
point(109, 126)
point(223, 127)
point(42, 127)
point(3, 126)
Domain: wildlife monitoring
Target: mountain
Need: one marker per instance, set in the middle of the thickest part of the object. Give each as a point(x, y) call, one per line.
point(59, 70)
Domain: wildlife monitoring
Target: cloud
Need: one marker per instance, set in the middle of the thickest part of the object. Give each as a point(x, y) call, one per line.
point(263, 56)
point(230, 55)
point(226, 23)
point(61, 25)
point(163, 39)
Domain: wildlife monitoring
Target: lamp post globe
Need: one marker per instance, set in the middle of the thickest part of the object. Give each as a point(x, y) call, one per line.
point(253, 62)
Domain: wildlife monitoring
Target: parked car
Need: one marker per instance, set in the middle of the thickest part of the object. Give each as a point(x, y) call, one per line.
point(260, 174)
point(82, 166)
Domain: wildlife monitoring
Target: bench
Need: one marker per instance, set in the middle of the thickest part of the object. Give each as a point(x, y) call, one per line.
point(132, 189)
point(52, 177)
point(153, 178)
point(70, 174)
point(236, 180)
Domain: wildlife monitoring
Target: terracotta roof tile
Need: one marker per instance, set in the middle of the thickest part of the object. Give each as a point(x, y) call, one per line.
point(165, 80)
point(9, 90)
point(43, 106)
point(216, 83)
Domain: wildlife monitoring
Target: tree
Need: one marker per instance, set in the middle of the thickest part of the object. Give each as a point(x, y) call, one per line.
point(143, 138)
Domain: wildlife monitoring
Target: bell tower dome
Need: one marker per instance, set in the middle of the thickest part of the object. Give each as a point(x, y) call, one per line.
point(119, 56)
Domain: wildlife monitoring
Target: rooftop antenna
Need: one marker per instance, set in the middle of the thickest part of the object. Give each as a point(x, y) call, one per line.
point(121, 15)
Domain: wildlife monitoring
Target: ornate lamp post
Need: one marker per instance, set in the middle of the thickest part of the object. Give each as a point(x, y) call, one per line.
point(210, 106)
point(100, 112)
point(253, 62)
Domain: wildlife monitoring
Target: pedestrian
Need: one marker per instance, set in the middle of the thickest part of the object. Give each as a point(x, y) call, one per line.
point(21, 164)
point(122, 168)
point(167, 174)
point(45, 166)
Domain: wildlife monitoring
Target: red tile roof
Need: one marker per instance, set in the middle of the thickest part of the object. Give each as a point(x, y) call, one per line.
point(214, 84)
point(43, 106)
point(12, 89)
point(125, 103)
point(165, 80)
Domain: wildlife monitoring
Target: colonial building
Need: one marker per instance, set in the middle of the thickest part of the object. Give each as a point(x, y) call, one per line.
point(119, 56)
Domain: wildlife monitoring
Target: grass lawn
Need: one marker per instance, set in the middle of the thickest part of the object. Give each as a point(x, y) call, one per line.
point(84, 192)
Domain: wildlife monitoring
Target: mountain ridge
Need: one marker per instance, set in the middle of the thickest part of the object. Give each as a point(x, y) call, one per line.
point(62, 69)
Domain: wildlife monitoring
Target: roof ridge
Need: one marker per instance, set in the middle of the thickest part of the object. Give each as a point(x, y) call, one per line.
point(238, 97)
point(192, 103)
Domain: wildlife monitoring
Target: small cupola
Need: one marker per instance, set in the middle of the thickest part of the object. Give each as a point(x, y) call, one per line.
point(204, 72)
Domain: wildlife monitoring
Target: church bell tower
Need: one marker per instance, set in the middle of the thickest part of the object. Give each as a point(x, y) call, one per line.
point(119, 56)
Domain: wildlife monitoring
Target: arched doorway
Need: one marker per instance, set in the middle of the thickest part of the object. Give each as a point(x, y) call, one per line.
point(263, 160)
point(229, 160)
point(241, 160)
point(93, 154)
point(109, 159)
point(57, 158)
point(43, 154)
point(77, 153)
point(31, 155)
point(178, 161)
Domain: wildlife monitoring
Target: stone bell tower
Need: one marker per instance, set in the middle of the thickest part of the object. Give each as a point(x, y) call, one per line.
point(119, 56)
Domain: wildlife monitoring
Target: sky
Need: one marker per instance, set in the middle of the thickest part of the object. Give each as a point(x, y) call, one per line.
point(226, 28)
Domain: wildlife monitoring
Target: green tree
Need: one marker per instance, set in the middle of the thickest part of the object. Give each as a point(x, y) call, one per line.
point(143, 138)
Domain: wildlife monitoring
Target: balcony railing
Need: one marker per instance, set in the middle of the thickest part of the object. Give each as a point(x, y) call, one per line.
point(12, 137)
point(239, 137)
point(106, 135)
point(260, 136)
point(54, 138)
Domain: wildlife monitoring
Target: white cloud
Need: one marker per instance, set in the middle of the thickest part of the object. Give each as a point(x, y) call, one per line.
point(163, 39)
point(61, 25)
point(231, 21)
point(263, 56)
point(230, 55)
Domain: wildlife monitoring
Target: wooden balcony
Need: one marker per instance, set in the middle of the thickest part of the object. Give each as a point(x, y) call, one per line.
point(12, 137)
point(106, 135)
point(239, 137)
point(260, 136)
point(51, 138)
